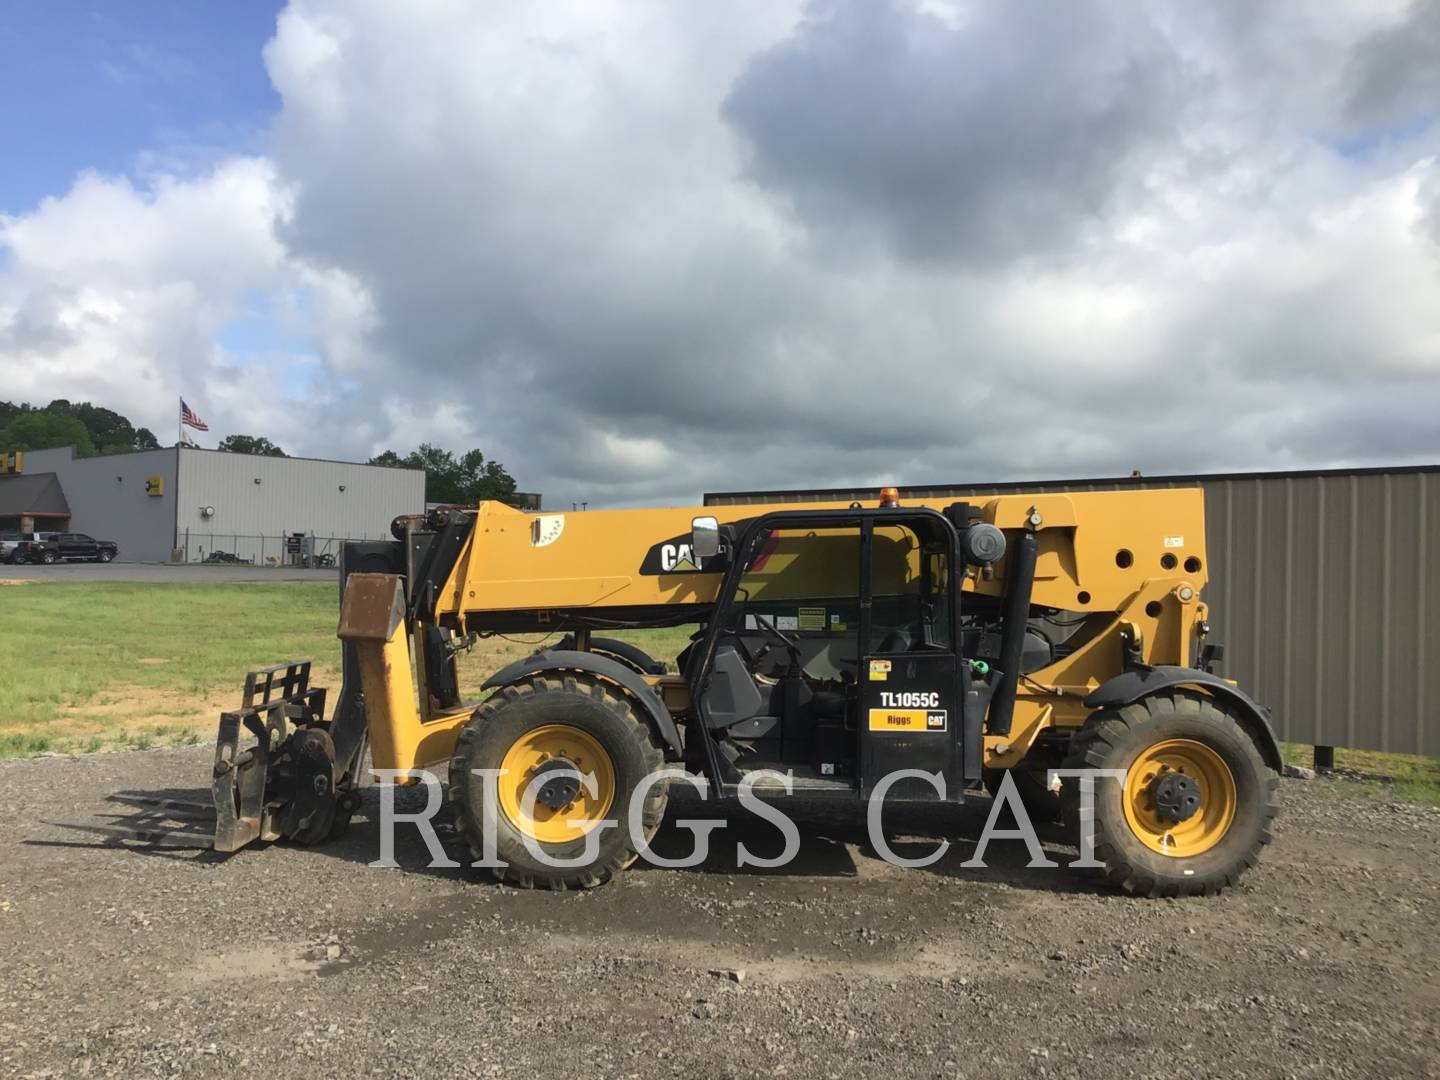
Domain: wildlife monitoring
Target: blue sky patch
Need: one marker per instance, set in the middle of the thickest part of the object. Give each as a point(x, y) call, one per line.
point(148, 84)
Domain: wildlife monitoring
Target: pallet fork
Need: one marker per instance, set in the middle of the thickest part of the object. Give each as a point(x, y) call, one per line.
point(287, 783)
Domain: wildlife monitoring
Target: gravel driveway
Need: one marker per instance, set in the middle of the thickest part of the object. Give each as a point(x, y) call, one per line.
point(306, 962)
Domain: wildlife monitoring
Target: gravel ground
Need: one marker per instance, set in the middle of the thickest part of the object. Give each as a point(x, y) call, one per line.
point(290, 961)
point(160, 572)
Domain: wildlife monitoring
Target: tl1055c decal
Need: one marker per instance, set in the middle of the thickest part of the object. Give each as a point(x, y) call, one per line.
point(910, 699)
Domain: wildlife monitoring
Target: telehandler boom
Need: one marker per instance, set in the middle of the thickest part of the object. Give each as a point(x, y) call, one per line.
point(837, 643)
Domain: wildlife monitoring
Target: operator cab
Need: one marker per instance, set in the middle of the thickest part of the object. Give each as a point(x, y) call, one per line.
point(831, 653)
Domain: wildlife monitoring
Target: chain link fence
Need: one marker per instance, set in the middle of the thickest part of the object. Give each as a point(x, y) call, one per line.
point(289, 550)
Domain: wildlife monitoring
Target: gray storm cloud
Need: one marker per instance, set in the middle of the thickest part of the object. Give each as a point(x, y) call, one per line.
point(636, 251)
point(1005, 134)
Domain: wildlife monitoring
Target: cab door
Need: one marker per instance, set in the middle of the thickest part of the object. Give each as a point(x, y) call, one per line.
point(911, 714)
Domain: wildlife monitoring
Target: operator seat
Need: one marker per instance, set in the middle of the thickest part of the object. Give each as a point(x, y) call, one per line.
point(731, 694)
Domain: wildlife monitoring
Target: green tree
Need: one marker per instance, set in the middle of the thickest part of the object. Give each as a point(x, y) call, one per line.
point(481, 479)
point(107, 431)
point(250, 444)
point(107, 428)
point(465, 481)
point(442, 473)
point(389, 459)
point(42, 429)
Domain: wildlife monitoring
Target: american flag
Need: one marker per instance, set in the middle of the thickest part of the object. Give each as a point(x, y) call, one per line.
point(189, 417)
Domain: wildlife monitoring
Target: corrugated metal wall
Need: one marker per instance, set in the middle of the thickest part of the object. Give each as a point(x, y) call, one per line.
point(1324, 588)
point(255, 496)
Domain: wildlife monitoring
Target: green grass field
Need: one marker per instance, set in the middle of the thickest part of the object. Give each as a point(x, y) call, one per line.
point(1373, 774)
point(97, 665)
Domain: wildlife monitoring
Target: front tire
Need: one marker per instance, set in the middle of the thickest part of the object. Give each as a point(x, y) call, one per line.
point(1197, 802)
point(106, 556)
point(551, 721)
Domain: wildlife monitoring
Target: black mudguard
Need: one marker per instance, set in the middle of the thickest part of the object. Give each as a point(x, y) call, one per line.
point(633, 655)
point(574, 660)
point(1133, 685)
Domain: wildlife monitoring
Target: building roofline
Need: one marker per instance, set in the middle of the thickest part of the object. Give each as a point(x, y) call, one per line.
point(821, 494)
point(228, 454)
point(292, 457)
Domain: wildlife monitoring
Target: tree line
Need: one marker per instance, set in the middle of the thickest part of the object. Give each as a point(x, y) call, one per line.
point(465, 480)
point(94, 430)
point(91, 429)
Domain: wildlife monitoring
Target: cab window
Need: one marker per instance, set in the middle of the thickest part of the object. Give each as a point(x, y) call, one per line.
point(803, 582)
point(909, 590)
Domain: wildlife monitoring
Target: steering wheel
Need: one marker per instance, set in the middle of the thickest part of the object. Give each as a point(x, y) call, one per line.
point(791, 645)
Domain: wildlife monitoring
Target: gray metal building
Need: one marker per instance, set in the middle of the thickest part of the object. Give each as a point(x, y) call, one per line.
point(1324, 588)
point(157, 502)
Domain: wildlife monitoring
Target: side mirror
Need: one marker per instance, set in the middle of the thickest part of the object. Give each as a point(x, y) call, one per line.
point(705, 537)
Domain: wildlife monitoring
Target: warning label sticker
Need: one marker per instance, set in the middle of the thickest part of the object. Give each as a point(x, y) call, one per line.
point(908, 720)
point(879, 670)
point(812, 618)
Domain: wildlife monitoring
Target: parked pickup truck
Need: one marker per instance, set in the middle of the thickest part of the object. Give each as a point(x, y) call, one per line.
point(73, 546)
point(9, 542)
point(31, 549)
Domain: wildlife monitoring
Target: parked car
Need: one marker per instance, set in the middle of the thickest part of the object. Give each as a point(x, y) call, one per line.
point(75, 546)
point(8, 543)
point(35, 550)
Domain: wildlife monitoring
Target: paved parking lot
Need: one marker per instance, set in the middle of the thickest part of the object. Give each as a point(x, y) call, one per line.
point(196, 572)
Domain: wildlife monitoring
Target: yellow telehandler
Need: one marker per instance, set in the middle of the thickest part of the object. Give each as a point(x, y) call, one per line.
point(838, 643)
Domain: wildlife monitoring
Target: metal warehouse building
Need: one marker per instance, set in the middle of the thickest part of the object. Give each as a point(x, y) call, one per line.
point(157, 503)
point(1324, 589)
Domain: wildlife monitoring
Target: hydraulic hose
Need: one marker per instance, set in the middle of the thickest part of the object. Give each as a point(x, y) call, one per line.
point(1020, 581)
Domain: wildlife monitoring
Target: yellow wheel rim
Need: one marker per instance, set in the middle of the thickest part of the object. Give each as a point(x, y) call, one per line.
point(526, 763)
point(1208, 825)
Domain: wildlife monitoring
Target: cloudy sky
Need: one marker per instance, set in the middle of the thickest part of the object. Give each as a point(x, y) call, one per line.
point(639, 250)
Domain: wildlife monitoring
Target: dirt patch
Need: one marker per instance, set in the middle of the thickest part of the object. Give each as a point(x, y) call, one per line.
point(160, 713)
point(155, 704)
point(265, 964)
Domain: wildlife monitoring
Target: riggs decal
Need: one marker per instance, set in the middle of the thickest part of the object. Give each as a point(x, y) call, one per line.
point(907, 721)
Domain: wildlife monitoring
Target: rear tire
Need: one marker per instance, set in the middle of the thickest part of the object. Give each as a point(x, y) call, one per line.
point(1145, 853)
point(556, 716)
point(49, 558)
